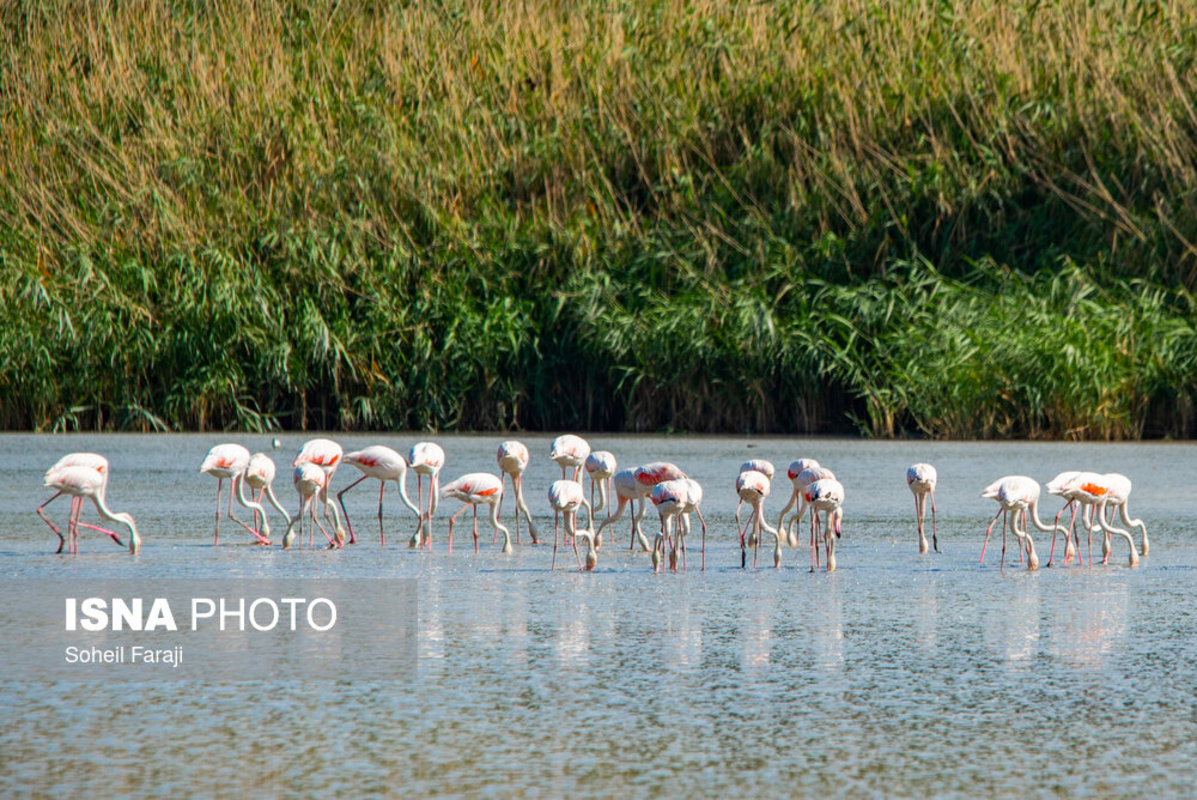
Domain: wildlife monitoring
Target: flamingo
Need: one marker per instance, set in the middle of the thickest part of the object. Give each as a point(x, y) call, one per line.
point(91, 461)
point(801, 481)
point(569, 451)
point(566, 497)
point(326, 454)
point(260, 477)
point(513, 459)
point(1059, 486)
point(921, 479)
point(754, 465)
point(753, 488)
point(473, 489)
point(311, 481)
point(87, 482)
point(230, 461)
point(426, 458)
point(600, 466)
point(792, 472)
point(383, 464)
point(677, 499)
point(1106, 491)
point(825, 495)
point(628, 491)
point(1020, 495)
point(1119, 494)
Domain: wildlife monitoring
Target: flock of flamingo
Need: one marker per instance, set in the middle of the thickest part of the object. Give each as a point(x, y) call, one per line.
point(1090, 496)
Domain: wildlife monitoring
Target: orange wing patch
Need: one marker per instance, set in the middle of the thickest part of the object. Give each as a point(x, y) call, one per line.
point(1095, 489)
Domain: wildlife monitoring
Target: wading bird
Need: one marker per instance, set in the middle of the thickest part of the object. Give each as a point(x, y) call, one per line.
point(825, 496)
point(383, 464)
point(513, 459)
point(753, 488)
point(569, 452)
point(474, 489)
point(1059, 486)
point(326, 454)
point(676, 500)
point(567, 498)
point(804, 480)
point(921, 479)
point(1102, 492)
point(310, 482)
point(628, 491)
point(82, 483)
point(1017, 495)
point(426, 458)
point(229, 462)
point(796, 497)
point(90, 460)
point(600, 466)
point(260, 477)
point(754, 465)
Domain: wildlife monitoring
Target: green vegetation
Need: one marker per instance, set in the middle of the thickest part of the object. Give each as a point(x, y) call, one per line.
point(955, 219)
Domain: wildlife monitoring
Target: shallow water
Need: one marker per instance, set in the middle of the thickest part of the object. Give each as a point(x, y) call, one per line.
point(897, 675)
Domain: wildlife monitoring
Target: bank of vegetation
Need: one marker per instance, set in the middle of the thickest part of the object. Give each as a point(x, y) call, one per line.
point(951, 219)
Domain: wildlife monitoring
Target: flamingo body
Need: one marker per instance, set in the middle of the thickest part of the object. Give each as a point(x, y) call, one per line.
point(83, 482)
point(513, 458)
point(921, 479)
point(474, 489)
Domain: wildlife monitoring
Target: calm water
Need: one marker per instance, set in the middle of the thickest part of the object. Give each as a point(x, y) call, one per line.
point(898, 675)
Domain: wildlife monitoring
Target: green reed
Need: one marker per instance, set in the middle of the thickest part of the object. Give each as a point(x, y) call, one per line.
point(949, 219)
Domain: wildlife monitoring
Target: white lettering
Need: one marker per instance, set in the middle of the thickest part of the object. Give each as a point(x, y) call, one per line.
point(253, 620)
point(208, 613)
point(332, 613)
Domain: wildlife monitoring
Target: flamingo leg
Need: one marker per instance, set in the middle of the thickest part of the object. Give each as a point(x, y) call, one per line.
point(73, 524)
point(572, 523)
point(756, 532)
point(53, 527)
point(515, 488)
point(988, 531)
point(219, 496)
point(556, 533)
point(452, 520)
point(345, 511)
point(382, 534)
point(934, 533)
point(474, 506)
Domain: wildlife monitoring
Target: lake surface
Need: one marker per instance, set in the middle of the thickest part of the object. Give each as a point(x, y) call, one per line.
point(898, 675)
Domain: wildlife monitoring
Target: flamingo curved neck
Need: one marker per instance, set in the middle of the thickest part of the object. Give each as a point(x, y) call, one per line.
point(121, 517)
point(401, 482)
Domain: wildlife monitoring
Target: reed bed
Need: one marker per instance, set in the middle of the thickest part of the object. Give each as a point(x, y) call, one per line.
point(950, 219)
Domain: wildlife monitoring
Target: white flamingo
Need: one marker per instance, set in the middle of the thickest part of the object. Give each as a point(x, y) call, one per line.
point(474, 489)
point(513, 459)
point(921, 478)
point(230, 462)
point(81, 483)
point(426, 459)
point(383, 464)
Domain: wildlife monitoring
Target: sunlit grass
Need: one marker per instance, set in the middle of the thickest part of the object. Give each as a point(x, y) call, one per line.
point(939, 218)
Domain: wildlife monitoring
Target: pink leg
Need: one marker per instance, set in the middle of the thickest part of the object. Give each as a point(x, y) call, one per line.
point(474, 506)
point(988, 531)
point(382, 534)
point(345, 511)
point(934, 533)
point(219, 495)
point(452, 520)
point(53, 527)
point(76, 510)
